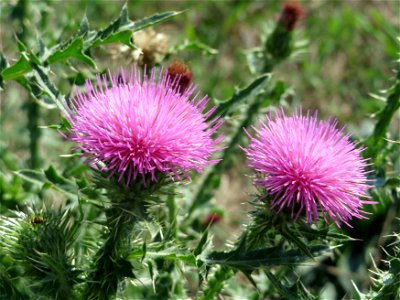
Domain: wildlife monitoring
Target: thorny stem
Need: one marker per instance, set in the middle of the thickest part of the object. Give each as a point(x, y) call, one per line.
point(111, 265)
point(33, 111)
point(216, 283)
point(32, 107)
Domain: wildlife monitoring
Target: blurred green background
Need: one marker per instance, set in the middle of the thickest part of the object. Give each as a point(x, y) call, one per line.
point(350, 53)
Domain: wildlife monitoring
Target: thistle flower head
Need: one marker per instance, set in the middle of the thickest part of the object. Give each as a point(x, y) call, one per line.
point(309, 166)
point(136, 126)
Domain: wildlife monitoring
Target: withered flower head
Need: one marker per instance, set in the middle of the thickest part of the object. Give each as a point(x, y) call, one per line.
point(180, 75)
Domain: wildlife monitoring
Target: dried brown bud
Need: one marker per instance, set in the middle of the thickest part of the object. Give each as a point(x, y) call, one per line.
point(212, 218)
point(291, 13)
point(180, 75)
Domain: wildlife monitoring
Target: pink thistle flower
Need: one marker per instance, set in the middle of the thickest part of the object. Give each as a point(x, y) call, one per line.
point(134, 126)
point(308, 166)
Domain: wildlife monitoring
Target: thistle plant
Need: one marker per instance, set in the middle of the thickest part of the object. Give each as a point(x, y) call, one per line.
point(138, 131)
point(136, 194)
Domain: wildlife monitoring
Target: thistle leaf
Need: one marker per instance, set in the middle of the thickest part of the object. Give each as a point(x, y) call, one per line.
point(241, 96)
point(120, 30)
point(272, 256)
point(202, 244)
point(72, 50)
point(18, 69)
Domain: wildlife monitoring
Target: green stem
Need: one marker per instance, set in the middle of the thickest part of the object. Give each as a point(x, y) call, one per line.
point(173, 229)
point(216, 283)
point(21, 11)
point(33, 111)
point(111, 265)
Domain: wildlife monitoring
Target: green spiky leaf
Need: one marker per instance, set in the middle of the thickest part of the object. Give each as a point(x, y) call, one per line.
point(271, 256)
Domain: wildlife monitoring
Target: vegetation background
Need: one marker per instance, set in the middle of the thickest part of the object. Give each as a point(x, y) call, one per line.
point(349, 51)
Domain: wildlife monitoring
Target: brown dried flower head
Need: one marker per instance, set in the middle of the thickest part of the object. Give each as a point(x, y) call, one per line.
point(151, 46)
point(180, 74)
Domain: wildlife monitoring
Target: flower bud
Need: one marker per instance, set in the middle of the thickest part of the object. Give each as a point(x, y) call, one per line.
point(180, 76)
point(212, 218)
point(291, 13)
point(279, 43)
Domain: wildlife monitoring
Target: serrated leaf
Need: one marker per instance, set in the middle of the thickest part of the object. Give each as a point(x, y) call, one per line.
point(61, 182)
point(18, 69)
point(153, 20)
point(247, 273)
point(33, 176)
point(172, 253)
point(272, 256)
point(50, 179)
point(293, 237)
point(20, 44)
point(324, 234)
point(36, 92)
point(239, 97)
point(124, 37)
point(52, 175)
point(120, 30)
point(72, 50)
point(47, 87)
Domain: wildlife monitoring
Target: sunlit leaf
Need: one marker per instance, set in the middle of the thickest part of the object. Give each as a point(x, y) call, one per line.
point(18, 69)
point(73, 50)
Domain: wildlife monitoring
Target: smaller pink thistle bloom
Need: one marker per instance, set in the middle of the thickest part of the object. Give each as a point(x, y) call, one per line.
point(309, 166)
point(136, 126)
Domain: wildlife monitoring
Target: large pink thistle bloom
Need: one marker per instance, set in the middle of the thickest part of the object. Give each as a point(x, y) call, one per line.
point(309, 166)
point(136, 126)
